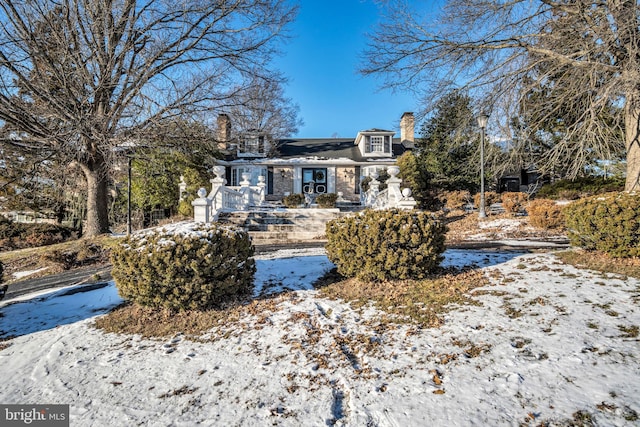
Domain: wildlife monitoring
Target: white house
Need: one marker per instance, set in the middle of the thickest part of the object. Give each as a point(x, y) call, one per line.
point(318, 165)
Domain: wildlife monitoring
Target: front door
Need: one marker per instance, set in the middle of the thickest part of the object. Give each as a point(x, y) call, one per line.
point(314, 180)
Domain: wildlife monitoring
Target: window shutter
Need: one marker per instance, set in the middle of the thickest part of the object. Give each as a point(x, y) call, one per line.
point(387, 144)
point(367, 144)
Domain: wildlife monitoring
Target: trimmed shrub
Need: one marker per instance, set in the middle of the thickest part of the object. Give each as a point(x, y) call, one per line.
point(490, 197)
point(389, 244)
point(456, 200)
point(184, 266)
point(580, 187)
point(608, 223)
point(185, 208)
point(293, 200)
point(546, 214)
point(327, 200)
point(513, 202)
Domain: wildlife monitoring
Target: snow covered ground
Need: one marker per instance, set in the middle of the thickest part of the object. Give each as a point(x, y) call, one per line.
point(548, 344)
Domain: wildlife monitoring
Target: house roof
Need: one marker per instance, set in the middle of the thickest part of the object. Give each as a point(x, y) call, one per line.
point(336, 151)
point(328, 148)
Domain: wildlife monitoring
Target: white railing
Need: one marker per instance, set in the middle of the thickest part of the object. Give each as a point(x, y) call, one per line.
point(222, 198)
point(392, 196)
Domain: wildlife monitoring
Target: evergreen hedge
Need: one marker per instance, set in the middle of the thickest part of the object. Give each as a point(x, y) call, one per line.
point(327, 200)
point(184, 266)
point(293, 200)
point(389, 244)
point(608, 223)
point(580, 187)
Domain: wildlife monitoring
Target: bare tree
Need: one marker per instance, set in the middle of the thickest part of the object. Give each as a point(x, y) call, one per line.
point(77, 75)
point(263, 107)
point(504, 51)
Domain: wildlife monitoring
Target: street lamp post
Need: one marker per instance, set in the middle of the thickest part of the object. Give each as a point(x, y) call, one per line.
point(482, 123)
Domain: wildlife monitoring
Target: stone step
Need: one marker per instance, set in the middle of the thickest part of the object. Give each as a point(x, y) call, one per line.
point(283, 226)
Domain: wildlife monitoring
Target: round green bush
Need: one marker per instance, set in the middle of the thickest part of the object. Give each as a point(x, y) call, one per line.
point(293, 200)
point(184, 266)
point(389, 244)
point(327, 200)
point(608, 223)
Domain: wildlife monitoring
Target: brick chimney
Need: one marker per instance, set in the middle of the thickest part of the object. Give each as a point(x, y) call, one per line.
point(224, 131)
point(407, 129)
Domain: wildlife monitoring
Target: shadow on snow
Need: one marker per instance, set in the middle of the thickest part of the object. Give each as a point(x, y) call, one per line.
point(273, 276)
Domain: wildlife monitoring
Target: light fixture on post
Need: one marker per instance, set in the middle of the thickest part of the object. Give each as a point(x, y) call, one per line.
point(482, 123)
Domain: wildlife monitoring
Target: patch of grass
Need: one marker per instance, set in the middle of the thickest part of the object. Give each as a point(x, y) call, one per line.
point(161, 322)
point(601, 262)
point(511, 311)
point(592, 325)
point(422, 302)
point(629, 331)
point(582, 418)
point(471, 350)
point(53, 256)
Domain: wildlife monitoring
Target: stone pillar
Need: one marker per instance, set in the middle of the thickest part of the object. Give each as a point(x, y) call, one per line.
point(374, 189)
point(394, 194)
point(407, 201)
point(202, 207)
point(245, 189)
point(262, 190)
point(219, 180)
point(182, 188)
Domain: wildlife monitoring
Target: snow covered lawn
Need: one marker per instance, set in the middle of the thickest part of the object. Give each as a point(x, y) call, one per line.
point(547, 343)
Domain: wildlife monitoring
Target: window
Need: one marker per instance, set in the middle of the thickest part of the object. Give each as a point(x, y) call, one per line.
point(252, 145)
point(314, 180)
point(377, 144)
point(254, 173)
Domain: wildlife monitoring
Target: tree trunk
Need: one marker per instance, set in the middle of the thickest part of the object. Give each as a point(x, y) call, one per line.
point(632, 140)
point(97, 221)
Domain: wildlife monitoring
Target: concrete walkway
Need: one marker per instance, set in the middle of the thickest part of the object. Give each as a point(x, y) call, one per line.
point(77, 276)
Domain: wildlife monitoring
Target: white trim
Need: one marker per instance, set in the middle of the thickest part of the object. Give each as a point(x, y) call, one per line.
point(331, 180)
point(297, 180)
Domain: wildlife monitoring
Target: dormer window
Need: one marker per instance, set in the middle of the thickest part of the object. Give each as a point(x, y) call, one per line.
point(252, 146)
point(377, 144)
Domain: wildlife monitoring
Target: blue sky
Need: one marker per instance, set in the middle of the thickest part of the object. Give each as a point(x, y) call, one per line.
point(321, 62)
